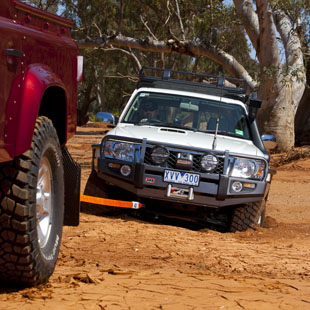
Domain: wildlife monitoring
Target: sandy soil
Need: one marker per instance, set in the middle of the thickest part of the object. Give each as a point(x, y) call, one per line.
point(125, 263)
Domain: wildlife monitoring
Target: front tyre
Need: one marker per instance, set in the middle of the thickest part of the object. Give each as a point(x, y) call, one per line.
point(31, 209)
point(248, 216)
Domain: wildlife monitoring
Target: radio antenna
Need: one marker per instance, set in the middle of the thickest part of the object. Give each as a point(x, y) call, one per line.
point(220, 83)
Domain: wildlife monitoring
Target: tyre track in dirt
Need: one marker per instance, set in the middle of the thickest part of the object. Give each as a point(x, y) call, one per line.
point(124, 263)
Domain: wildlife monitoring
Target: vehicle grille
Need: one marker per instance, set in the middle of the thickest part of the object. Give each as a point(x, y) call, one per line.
point(171, 162)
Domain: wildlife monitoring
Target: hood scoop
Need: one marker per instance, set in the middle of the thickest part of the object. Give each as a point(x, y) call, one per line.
point(172, 130)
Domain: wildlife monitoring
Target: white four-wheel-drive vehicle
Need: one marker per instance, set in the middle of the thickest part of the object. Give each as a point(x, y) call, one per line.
point(189, 147)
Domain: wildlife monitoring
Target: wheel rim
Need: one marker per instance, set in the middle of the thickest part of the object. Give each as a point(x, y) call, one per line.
point(44, 202)
point(259, 221)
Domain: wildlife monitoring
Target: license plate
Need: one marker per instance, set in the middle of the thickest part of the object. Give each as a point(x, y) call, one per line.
point(181, 177)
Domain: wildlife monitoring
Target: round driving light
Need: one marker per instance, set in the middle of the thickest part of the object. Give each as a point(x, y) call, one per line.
point(209, 162)
point(125, 170)
point(159, 155)
point(237, 186)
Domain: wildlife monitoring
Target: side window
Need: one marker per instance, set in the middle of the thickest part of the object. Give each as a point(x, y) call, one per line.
point(241, 127)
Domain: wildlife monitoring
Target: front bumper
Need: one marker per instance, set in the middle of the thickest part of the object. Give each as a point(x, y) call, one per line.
point(147, 180)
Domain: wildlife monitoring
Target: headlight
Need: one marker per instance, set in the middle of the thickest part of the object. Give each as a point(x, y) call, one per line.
point(209, 162)
point(159, 155)
point(119, 150)
point(248, 169)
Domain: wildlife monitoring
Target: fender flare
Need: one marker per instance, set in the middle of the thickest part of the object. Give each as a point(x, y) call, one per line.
point(38, 79)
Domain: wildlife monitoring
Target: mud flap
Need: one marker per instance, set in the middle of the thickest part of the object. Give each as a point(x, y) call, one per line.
point(72, 176)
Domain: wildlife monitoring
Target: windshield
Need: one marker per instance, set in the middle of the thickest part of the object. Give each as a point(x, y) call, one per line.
point(188, 113)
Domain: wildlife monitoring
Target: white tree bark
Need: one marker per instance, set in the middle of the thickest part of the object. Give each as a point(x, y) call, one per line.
point(267, 49)
point(281, 93)
point(294, 57)
point(250, 19)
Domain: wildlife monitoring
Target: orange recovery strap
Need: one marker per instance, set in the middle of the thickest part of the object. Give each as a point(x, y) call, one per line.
point(111, 202)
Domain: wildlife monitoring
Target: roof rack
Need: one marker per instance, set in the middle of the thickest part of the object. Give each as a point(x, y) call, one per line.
point(194, 82)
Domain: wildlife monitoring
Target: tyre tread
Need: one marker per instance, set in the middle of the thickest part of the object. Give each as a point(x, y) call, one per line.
point(246, 216)
point(17, 223)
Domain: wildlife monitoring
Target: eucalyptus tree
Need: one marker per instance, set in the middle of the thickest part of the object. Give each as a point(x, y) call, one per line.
point(208, 29)
point(282, 83)
point(302, 117)
point(47, 5)
point(154, 20)
point(208, 36)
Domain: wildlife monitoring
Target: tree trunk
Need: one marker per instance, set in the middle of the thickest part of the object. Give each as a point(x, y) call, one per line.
point(302, 118)
point(82, 112)
point(276, 117)
point(102, 86)
point(280, 90)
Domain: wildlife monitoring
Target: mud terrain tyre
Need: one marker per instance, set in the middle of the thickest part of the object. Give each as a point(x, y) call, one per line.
point(248, 216)
point(31, 209)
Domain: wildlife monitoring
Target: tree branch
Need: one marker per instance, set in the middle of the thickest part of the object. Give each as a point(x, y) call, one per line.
point(180, 19)
point(121, 76)
point(294, 56)
point(98, 29)
point(290, 39)
point(147, 27)
point(169, 11)
point(267, 49)
point(245, 9)
point(120, 22)
point(191, 48)
point(129, 53)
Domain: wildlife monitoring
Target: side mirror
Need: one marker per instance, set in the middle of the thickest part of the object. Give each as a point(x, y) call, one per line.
point(254, 105)
point(269, 142)
point(105, 117)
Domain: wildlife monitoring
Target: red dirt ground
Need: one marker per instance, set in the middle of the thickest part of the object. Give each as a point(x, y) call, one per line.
point(125, 263)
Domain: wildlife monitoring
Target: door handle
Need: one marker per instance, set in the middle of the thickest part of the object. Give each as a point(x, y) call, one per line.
point(14, 53)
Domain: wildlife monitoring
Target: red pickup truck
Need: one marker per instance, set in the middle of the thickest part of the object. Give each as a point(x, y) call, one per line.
point(39, 181)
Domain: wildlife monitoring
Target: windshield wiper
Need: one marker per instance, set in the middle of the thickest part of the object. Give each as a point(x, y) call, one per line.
point(143, 123)
point(171, 125)
point(224, 133)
